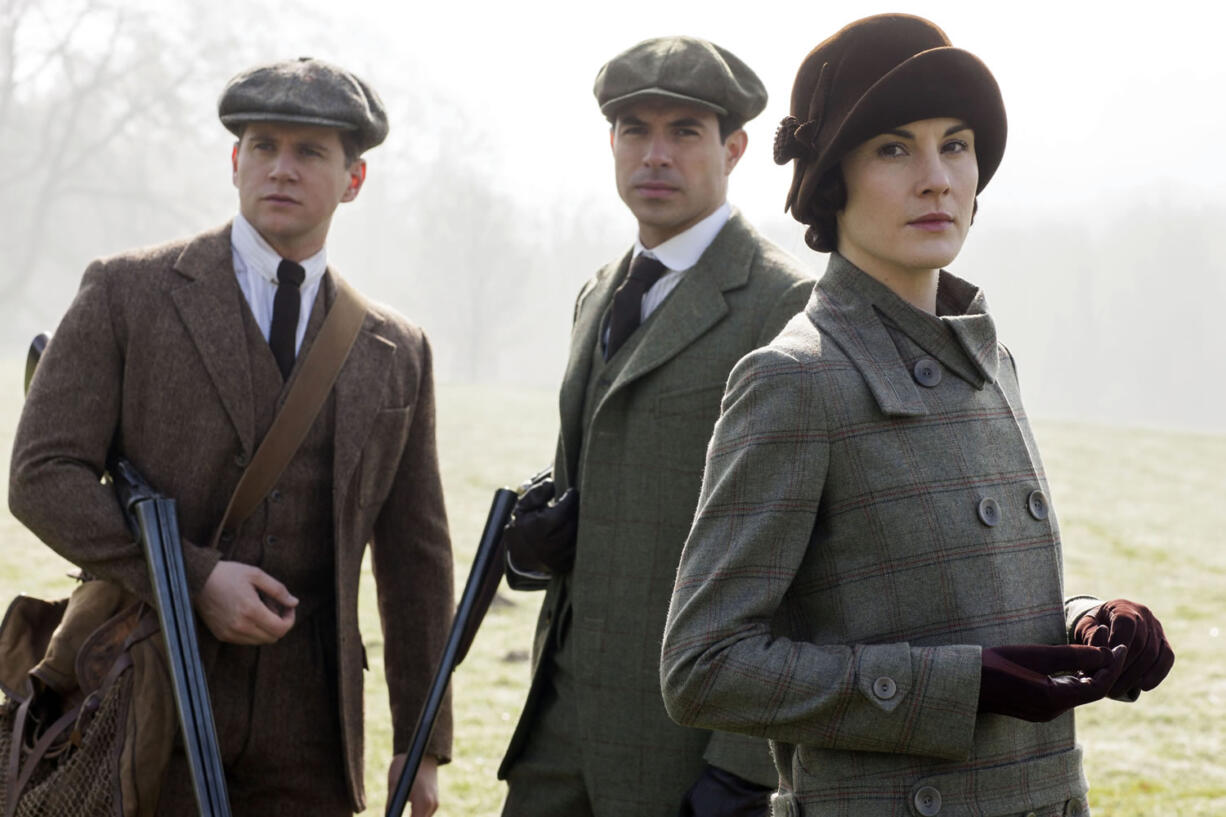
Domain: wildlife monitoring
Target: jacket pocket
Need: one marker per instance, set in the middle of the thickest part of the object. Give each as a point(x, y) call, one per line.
point(389, 431)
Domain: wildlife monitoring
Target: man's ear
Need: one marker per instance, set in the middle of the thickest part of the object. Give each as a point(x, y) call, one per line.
point(234, 164)
point(357, 176)
point(734, 148)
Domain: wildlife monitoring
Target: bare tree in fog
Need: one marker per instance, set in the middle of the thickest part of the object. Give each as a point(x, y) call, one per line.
point(77, 77)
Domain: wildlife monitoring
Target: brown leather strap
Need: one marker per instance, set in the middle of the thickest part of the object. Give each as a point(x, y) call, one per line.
point(306, 397)
point(16, 748)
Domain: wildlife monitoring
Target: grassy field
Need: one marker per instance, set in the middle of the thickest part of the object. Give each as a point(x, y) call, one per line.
point(1141, 514)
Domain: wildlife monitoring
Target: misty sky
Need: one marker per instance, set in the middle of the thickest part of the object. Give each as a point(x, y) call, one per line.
point(1097, 241)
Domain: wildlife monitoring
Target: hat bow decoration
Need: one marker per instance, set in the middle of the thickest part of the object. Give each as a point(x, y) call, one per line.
point(799, 140)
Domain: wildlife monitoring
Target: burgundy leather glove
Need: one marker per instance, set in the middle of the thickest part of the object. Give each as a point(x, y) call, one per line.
point(720, 793)
point(1036, 682)
point(540, 538)
point(1120, 621)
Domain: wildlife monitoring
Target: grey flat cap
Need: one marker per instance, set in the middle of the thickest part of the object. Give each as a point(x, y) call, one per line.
point(682, 68)
point(307, 91)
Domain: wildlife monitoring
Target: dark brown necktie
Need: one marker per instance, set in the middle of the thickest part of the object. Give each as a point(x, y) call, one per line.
point(627, 310)
point(285, 307)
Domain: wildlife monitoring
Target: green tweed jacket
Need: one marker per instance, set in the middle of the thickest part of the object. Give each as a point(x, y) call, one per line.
point(638, 466)
point(873, 513)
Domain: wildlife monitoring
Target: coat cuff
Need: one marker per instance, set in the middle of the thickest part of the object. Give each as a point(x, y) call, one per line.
point(746, 757)
point(198, 563)
point(1074, 608)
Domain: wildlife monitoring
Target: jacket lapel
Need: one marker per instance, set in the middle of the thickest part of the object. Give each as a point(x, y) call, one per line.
point(592, 304)
point(695, 305)
point(842, 308)
point(358, 398)
point(210, 306)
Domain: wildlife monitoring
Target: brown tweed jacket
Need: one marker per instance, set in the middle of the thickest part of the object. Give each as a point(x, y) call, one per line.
point(636, 455)
point(151, 357)
point(873, 512)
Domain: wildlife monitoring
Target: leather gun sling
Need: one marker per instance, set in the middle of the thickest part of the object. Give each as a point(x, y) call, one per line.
point(306, 397)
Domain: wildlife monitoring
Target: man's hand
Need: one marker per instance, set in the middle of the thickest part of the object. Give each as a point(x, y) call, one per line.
point(423, 797)
point(540, 538)
point(1036, 682)
point(1150, 656)
point(241, 604)
point(720, 793)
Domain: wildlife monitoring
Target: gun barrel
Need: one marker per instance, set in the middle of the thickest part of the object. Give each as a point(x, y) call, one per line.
point(478, 592)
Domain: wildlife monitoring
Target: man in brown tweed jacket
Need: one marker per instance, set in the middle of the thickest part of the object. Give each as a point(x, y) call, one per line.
point(873, 578)
point(165, 353)
point(637, 406)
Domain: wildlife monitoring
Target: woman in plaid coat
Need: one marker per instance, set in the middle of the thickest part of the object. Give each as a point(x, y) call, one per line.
point(873, 578)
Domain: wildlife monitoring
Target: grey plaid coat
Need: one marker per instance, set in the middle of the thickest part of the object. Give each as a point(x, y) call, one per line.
point(636, 455)
point(873, 512)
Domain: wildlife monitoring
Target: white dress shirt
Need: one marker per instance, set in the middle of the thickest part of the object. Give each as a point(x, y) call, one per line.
point(679, 253)
point(255, 264)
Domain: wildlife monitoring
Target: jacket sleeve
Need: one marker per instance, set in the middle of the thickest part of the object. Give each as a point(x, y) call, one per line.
point(1074, 608)
point(68, 424)
point(727, 661)
point(412, 562)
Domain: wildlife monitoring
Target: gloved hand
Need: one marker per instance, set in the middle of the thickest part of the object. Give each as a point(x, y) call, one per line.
point(720, 793)
point(540, 538)
point(1037, 682)
point(1120, 621)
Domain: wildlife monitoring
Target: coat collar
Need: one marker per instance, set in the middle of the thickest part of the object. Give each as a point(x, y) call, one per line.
point(693, 307)
point(855, 309)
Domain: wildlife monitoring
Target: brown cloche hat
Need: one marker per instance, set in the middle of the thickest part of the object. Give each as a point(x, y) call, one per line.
point(686, 69)
point(306, 91)
point(875, 74)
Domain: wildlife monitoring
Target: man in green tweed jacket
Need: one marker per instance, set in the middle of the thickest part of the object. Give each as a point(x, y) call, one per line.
point(873, 579)
point(637, 406)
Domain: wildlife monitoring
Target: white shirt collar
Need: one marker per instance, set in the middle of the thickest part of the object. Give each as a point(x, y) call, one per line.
point(683, 250)
point(262, 260)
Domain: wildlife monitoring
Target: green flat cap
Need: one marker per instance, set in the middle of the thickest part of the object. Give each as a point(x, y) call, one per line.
point(682, 68)
point(306, 91)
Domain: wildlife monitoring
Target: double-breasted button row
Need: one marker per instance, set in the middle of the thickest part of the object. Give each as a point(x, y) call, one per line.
point(928, 801)
point(990, 513)
point(927, 372)
point(1075, 807)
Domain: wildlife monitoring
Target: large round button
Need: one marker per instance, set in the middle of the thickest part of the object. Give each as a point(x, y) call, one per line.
point(1030, 814)
point(241, 459)
point(1075, 807)
point(989, 511)
point(270, 540)
point(1037, 503)
point(928, 801)
point(227, 536)
point(885, 688)
point(927, 372)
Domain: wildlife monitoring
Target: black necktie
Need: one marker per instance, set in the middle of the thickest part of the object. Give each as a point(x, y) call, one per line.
point(627, 309)
point(285, 315)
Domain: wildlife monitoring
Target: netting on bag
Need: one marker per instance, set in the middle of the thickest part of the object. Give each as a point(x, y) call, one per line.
point(81, 783)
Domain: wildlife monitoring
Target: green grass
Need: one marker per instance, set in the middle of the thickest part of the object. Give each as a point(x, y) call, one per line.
point(1141, 514)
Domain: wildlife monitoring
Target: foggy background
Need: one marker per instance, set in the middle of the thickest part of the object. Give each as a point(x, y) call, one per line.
point(1099, 242)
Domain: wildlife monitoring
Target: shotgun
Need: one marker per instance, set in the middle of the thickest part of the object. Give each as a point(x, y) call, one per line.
point(479, 591)
point(155, 524)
